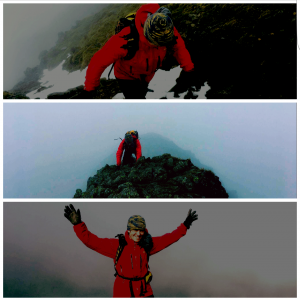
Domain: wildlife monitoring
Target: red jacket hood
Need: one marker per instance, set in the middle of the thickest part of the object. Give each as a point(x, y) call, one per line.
point(142, 14)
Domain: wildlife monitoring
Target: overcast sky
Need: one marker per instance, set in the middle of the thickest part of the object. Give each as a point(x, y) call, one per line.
point(50, 150)
point(233, 249)
point(31, 28)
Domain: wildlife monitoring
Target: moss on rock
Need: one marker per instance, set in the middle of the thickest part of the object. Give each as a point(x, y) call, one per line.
point(162, 176)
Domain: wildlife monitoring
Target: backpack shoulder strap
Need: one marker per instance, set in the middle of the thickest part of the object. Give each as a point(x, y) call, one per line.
point(132, 44)
point(122, 244)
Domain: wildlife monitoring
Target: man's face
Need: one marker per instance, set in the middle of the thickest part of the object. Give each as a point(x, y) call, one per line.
point(136, 235)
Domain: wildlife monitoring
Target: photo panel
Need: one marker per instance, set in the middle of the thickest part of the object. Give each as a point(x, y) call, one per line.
point(237, 249)
point(150, 150)
point(150, 51)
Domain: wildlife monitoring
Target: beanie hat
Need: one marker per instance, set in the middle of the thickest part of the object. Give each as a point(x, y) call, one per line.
point(159, 28)
point(128, 139)
point(136, 222)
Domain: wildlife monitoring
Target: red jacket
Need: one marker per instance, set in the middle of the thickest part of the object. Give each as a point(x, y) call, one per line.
point(133, 260)
point(138, 150)
point(146, 60)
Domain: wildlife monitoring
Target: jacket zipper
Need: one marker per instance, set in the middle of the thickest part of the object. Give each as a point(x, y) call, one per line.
point(130, 69)
point(131, 261)
point(147, 64)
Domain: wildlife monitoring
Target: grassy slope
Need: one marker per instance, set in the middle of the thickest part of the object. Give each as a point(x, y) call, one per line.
point(87, 38)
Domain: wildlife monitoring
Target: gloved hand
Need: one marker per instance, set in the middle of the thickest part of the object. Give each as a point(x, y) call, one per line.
point(86, 95)
point(191, 217)
point(184, 81)
point(118, 168)
point(71, 214)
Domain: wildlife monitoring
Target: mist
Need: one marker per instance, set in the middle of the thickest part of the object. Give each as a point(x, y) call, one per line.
point(232, 250)
point(50, 150)
point(32, 28)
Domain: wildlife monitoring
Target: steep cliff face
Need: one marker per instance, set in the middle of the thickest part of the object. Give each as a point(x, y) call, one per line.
point(162, 176)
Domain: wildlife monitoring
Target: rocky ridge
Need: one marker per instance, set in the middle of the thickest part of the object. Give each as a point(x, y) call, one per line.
point(162, 176)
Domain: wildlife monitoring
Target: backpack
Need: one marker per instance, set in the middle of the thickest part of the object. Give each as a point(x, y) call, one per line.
point(133, 132)
point(130, 143)
point(128, 136)
point(133, 37)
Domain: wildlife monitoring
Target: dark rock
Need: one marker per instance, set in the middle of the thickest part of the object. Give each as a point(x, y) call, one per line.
point(29, 83)
point(78, 193)
point(229, 42)
point(107, 90)
point(162, 176)
point(7, 95)
point(42, 88)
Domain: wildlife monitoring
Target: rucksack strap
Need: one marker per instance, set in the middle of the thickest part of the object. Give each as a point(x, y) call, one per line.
point(122, 244)
point(132, 45)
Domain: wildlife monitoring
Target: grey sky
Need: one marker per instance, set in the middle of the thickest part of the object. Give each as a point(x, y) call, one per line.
point(32, 28)
point(52, 149)
point(234, 249)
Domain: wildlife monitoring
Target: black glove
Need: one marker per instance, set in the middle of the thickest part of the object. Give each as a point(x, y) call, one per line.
point(86, 95)
point(191, 217)
point(118, 168)
point(184, 81)
point(71, 214)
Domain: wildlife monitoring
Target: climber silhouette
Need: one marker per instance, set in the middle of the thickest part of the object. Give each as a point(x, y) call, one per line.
point(129, 145)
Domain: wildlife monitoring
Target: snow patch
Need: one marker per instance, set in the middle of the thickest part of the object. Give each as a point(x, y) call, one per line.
point(59, 80)
point(163, 81)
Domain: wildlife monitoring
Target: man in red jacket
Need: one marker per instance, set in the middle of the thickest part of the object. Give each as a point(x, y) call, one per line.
point(131, 265)
point(131, 145)
point(155, 32)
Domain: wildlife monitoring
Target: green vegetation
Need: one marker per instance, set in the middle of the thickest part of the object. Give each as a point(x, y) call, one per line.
point(86, 38)
point(163, 176)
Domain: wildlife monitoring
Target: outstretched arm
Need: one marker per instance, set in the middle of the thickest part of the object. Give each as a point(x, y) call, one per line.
point(107, 247)
point(162, 242)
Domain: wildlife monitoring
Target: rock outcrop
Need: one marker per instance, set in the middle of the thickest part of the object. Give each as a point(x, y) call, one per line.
point(7, 95)
point(243, 51)
point(162, 176)
point(104, 91)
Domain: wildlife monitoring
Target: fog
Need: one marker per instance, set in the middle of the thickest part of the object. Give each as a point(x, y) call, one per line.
point(29, 29)
point(50, 150)
point(232, 250)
